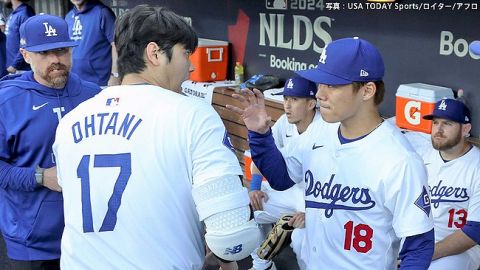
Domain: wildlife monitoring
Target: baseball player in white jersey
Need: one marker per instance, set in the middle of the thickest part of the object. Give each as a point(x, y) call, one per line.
point(141, 165)
point(453, 167)
point(365, 187)
point(300, 114)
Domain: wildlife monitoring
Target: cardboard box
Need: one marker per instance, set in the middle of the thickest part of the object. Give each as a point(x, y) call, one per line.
point(415, 100)
point(210, 60)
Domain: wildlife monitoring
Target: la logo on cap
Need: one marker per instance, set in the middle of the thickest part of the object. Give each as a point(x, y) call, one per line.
point(49, 30)
point(290, 84)
point(443, 105)
point(323, 56)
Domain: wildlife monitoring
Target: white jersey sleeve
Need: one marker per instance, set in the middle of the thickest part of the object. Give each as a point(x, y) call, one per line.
point(407, 197)
point(474, 204)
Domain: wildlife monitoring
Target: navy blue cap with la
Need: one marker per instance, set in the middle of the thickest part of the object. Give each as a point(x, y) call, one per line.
point(452, 110)
point(345, 61)
point(299, 87)
point(44, 32)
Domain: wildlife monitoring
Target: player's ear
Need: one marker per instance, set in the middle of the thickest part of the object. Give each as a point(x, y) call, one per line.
point(152, 53)
point(25, 55)
point(466, 130)
point(369, 90)
point(311, 104)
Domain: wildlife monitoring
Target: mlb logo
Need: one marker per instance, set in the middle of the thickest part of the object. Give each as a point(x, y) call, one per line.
point(276, 4)
point(112, 101)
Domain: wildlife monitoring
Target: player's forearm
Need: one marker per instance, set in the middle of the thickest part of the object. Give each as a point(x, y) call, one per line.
point(17, 178)
point(269, 160)
point(456, 243)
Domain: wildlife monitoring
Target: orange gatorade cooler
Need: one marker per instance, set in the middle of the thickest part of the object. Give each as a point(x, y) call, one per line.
point(415, 100)
point(210, 60)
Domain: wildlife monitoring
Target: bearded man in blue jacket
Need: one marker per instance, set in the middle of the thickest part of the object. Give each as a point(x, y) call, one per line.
point(31, 105)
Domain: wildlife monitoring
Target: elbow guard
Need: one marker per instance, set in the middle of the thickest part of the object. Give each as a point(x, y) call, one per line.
point(223, 204)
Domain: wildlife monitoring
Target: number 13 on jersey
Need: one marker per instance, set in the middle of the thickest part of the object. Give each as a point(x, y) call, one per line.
point(103, 161)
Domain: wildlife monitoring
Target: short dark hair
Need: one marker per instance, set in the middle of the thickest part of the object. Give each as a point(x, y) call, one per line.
point(144, 24)
point(380, 85)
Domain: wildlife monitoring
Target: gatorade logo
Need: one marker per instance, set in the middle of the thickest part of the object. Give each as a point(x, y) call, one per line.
point(412, 112)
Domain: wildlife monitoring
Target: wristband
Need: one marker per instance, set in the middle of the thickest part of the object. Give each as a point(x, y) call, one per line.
point(39, 175)
point(256, 183)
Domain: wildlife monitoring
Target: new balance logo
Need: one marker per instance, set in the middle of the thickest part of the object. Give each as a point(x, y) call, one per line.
point(39, 106)
point(316, 146)
point(363, 73)
point(443, 105)
point(234, 250)
point(49, 30)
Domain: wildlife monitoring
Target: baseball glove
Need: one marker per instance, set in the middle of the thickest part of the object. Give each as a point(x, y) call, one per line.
point(278, 238)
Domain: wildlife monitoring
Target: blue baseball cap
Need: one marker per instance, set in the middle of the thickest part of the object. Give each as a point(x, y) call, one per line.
point(299, 87)
point(44, 32)
point(450, 109)
point(475, 47)
point(345, 61)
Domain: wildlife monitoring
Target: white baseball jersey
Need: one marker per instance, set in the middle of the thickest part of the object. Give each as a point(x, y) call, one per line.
point(455, 197)
point(361, 197)
point(292, 199)
point(283, 132)
point(127, 160)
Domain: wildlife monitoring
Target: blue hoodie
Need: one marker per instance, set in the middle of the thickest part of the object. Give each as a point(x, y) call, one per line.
point(93, 31)
point(12, 31)
point(31, 217)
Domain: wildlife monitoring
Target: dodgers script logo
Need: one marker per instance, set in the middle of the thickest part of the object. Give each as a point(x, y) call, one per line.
point(339, 197)
point(441, 193)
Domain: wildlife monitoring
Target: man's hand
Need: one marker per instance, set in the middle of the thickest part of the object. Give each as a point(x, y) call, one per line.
point(50, 179)
point(257, 198)
point(254, 113)
point(11, 70)
point(298, 220)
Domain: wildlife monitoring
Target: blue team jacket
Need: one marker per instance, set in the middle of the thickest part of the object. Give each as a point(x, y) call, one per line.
point(92, 29)
point(31, 218)
point(12, 31)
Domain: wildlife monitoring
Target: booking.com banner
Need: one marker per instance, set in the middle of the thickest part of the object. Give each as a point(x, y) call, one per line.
point(421, 40)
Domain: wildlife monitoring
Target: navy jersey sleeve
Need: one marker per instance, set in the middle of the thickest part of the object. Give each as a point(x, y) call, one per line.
point(417, 251)
point(269, 160)
point(107, 24)
point(472, 230)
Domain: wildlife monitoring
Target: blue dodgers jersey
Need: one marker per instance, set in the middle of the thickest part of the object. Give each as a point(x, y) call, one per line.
point(32, 216)
point(93, 31)
point(12, 32)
